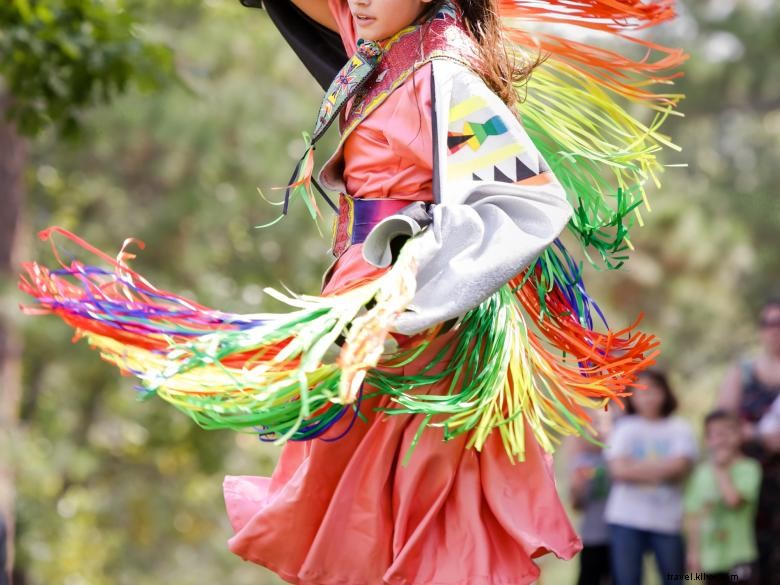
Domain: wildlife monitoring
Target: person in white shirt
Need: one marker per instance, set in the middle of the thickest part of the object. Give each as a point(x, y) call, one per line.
point(649, 455)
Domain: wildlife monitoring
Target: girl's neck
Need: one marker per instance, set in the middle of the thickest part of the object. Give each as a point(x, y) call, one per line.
point(652, 418)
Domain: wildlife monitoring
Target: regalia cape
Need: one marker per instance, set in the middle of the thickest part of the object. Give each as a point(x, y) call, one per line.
point(486, 258)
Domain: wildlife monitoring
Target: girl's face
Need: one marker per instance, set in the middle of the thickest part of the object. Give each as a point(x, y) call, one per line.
point(376, 20)
point(648, 402)
point(723, 436)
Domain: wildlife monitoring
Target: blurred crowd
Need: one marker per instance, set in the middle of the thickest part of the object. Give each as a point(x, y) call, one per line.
point(708, 513)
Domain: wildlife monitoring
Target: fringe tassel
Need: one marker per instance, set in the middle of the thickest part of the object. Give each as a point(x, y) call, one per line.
point(597, 147)
point(505, 372)
point(267, 373)
point(272, 374)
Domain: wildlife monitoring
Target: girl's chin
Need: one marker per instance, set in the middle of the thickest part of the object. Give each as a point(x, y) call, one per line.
point(366, 34)
point(370, 33)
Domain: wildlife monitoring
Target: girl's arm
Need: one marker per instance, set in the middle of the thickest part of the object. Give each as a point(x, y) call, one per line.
point(731, 391)
point(729, 399)
point(675, 469)
point(628, 469)
point(317, 10)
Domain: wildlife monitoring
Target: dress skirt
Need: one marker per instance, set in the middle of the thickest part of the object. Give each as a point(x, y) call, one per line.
point(351, 511)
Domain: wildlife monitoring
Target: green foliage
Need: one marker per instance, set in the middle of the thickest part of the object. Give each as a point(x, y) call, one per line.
point(60, 56)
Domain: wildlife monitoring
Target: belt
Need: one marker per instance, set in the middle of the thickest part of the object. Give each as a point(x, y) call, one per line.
point(357, 216)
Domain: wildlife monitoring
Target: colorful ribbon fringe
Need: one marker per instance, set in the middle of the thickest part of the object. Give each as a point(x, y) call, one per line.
point(276, 374)
point(600, 150)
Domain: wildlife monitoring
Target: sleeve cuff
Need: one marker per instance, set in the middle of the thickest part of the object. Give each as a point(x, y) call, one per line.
point(408, 222)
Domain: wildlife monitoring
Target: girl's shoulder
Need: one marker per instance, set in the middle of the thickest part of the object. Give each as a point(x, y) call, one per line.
point(669, 424)
point(626, 427)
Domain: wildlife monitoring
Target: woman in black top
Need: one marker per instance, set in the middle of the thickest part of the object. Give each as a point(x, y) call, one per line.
point(750, 388)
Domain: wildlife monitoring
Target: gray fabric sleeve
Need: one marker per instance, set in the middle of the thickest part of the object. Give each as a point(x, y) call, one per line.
point(472, 249)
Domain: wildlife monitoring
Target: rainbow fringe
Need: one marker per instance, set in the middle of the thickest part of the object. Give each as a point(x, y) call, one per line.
point(277, 375)
point(575, 110)
point(266, 372)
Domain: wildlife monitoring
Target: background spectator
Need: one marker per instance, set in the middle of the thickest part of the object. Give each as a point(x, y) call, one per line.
point(589, 488)
point(769, 427)
point(720, 502)
point(750, 390)
point(649, 454)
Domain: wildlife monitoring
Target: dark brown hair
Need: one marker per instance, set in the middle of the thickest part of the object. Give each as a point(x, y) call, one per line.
point(662, 382)
point(499, 67)
point(720, 415)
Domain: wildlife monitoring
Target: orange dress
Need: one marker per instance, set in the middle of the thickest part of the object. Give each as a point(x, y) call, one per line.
point(345, 510)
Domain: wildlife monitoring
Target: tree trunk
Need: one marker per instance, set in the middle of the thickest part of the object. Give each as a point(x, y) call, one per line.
point(13, 158)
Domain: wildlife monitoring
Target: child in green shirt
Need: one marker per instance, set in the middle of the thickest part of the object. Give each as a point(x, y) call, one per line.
point(720, 505)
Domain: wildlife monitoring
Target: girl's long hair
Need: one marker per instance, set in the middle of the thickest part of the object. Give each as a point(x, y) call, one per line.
point(500, 68)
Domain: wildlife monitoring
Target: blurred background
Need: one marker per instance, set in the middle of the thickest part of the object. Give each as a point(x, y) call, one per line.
point(159, 120)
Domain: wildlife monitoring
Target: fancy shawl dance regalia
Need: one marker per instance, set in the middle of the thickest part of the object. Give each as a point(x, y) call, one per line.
point(453, 343)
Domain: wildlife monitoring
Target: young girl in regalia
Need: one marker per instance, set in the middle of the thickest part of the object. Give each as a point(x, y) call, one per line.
point(453, 343)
